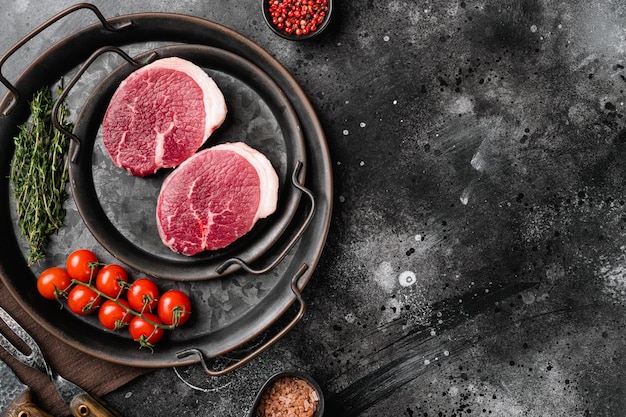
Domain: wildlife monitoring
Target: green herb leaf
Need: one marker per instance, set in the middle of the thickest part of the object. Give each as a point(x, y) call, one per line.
point(39, 173)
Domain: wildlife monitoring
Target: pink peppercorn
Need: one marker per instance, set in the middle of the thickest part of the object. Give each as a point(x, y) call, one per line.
point(297, 17)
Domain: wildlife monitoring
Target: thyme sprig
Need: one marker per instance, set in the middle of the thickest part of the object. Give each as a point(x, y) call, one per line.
point(39, 173)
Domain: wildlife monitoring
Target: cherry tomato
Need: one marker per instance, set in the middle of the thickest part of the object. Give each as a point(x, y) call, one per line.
point(114, 316)
point(144, 332)
point(82, 265)
point(53, 282)
point(83, 300)
point(143, 295)
point(174, 308)
point(110, 280)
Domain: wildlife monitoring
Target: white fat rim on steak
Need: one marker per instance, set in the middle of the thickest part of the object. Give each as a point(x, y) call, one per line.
point(214, 103)
point(268, 179)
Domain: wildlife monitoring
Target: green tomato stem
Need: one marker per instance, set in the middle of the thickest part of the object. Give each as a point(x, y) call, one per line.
point(127, 309)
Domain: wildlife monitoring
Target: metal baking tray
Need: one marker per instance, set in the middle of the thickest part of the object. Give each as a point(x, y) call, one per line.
point(246, 296)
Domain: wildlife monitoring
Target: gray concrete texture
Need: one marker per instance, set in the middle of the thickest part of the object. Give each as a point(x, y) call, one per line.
point(476, 260)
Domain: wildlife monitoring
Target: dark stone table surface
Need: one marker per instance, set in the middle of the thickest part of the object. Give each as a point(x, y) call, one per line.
point(476, 258)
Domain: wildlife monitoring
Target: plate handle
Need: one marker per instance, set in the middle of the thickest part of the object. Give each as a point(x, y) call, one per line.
point(75, 149)
point(295, 179)
point(15, 95)
point(256, 352)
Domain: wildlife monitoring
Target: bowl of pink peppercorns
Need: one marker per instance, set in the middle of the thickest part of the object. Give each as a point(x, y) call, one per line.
point(297, 19)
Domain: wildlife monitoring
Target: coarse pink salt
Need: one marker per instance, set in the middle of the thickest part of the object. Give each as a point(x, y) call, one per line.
point(288, 396)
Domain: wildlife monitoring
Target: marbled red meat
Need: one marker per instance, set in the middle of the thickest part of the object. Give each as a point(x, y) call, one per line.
point(215, 197)
point(160, 115)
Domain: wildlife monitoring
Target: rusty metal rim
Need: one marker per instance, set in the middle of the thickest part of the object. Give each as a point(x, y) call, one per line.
point(146, 27)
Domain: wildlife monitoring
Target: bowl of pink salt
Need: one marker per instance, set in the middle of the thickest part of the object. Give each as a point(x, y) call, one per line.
point(289, 393)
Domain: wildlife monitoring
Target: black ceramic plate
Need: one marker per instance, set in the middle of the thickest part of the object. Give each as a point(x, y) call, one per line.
point(119, 209)
point(229, 311)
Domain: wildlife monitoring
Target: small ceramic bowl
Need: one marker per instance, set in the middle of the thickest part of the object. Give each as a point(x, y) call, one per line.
point(292, 36)
point(319, 409)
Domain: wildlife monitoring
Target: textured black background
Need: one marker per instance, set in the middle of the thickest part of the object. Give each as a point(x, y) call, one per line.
point(477, 145)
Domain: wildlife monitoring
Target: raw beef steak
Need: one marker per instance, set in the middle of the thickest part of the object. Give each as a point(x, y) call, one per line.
point(215, 197)
point(160, 115)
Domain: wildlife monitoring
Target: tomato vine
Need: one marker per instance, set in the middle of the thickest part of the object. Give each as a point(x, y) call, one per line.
point(146, 312)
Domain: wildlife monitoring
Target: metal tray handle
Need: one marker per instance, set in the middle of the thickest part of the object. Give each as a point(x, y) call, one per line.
point(108, 26)
point(256, 352)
